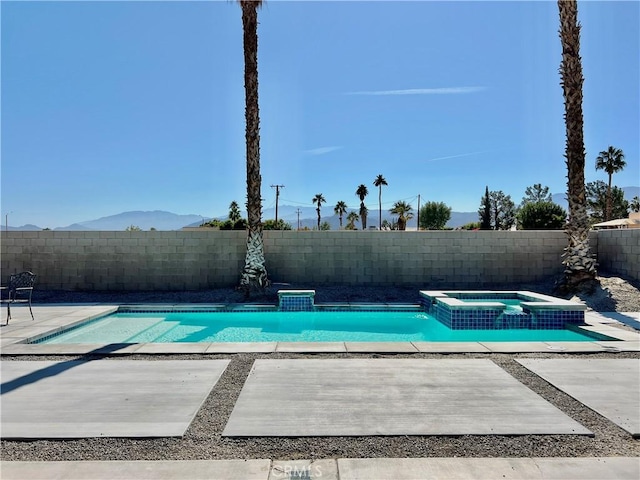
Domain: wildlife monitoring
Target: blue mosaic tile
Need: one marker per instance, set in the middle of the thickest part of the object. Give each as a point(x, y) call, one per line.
point(296, 303)
point(495, 319)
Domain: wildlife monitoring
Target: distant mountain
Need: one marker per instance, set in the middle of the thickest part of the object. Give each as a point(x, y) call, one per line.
point(629, 193)
point(459, 219)
point(157, 219)
point(161, 220)
point(24, 228)
point(309, 219)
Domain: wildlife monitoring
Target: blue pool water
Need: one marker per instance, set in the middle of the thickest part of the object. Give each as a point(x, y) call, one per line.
point(274, 326)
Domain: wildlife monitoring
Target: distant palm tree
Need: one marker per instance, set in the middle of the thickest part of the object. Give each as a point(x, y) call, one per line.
point(254, 274)
point(403, 210)
point(352, 218)
point(234, 211)
point(635, 204)
point(379, 182)
point(611, 161)
point(579, 263)
point(361, 193)
point(318, 200)
point(340, 209)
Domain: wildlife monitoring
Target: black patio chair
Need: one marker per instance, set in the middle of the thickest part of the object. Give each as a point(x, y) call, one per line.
point(19, 290)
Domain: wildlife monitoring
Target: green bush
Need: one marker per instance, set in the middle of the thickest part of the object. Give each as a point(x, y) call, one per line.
point(272, 225)
point(434, 216)
point(227, 225)
point(541, 216)
point(240, 224)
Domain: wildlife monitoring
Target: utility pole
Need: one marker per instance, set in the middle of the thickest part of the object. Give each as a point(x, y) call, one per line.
point(418, 213)
point(277, 187)
point(298, 212)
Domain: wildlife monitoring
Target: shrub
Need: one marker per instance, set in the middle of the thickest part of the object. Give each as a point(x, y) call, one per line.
point(542, 216)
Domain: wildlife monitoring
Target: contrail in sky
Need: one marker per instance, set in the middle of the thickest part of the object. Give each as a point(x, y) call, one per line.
point(457, 156)
point(321, 150)
point(423, 91)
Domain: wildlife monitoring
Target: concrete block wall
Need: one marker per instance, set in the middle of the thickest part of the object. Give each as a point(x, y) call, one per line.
point(619, 251)
point(197, 260)
point(172, 260)
point(447, 259)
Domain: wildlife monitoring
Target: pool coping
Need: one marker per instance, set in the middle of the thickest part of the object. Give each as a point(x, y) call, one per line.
point(22, 329)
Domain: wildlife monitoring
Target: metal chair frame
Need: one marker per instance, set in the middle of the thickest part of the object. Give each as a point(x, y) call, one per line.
point(20, 284)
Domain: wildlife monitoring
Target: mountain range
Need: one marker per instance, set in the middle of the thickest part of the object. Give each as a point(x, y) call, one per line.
point(161, 220)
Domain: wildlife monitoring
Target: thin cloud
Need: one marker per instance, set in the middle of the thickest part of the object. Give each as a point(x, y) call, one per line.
point(456, 156)
point(424, 91)
point(321, 150)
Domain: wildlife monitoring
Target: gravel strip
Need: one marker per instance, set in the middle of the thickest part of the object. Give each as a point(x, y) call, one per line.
point(203, 439)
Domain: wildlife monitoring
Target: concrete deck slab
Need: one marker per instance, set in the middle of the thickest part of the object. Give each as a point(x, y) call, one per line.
point(611, 387)
point(182, 347)
point(311, 347)
point(139, 470)
point(248, 347)
point(614, 332)
point(576, 347)
point(69, 349)
point(516, 347)
point(380, 347)
point(631, 319)
point(621, 346)
point(102, 398)
point(490, 468)
point(551, 468)
point(450, 347)
point(326, 469)
point(333, 397)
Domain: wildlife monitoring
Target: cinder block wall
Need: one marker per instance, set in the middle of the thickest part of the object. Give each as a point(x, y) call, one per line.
point(198, 260)
point(174, 260)
point(450, 259)
point(619, 251)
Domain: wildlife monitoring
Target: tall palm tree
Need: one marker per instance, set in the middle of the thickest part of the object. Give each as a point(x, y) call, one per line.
point(379, 182)
point(352, 218)
point(340, 209)
point(579, 263)
point(403, 210)
point(362, 192)
point(254, 274)
point(611, 161)
point(318, 200)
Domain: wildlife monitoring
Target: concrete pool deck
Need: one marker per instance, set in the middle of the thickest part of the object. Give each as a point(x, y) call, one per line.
point(408, 396)
point(52, 318)
point(49, 318)
point(587, 468)
point(109, 399)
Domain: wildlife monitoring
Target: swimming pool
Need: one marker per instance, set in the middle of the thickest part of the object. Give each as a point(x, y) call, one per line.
point(338, 325)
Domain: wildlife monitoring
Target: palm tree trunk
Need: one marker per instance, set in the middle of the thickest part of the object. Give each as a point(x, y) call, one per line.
point(380, 208)
point(254, 275)
point(608, 214)
point(577, 259)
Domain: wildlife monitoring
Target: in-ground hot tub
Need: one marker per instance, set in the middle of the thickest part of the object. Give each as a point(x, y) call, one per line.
point(491, 309)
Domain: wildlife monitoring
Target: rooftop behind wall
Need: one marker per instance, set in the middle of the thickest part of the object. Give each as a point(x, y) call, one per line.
point(197, 260)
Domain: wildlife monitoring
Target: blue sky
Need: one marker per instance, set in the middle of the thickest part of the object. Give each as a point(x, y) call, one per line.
point(116, 106)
